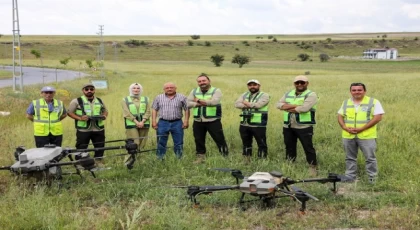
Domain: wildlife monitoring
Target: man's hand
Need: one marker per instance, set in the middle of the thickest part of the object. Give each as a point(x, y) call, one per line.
point(185, 125)
point(154, 125)
point(287, 107)
point(139, 124)
point(84, 118)
point(247, 104)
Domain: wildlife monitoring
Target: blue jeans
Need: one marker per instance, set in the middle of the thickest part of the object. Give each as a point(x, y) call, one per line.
point(177, 132)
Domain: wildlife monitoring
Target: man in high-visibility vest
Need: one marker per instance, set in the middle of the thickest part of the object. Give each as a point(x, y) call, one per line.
point(254, 117)
point(46, 114)
point(89, 113)
point(358, 117)
point(299, 106)
point(207, 111)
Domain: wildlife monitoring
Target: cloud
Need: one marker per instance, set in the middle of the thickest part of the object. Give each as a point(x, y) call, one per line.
point(149, 17)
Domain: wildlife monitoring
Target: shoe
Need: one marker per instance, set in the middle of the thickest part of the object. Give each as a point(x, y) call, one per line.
point(201, 158)
point(347, 179)
point(313, 170)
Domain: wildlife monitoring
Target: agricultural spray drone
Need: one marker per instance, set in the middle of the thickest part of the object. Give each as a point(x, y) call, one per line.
point(45, 163)
point(265, 186)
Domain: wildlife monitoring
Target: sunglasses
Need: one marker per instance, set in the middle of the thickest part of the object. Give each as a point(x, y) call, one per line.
point(48, 92)
point(300, 82)
point(89, 89)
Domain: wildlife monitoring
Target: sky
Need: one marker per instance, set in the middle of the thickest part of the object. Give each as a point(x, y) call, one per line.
point(210, 17)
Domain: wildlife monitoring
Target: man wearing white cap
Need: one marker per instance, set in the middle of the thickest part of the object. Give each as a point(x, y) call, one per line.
point(46, 114)
point(299, 106)
point(254, 117)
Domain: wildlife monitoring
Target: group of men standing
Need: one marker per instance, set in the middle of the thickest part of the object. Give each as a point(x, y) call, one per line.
point(358, 117)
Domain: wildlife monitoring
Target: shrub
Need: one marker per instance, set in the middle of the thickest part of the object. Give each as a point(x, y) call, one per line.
point(133, 42)
point(217, 59)
point(329, 40)
point(89, 63)
point(274, 39)
point(237, 49)
point(240, 60)
point(36, 53)
point(190, 43)
point(416, 38)
point(195, 37)
point(324, 57)
point(245, 43)
point(65, 61)
point(207, 43)
point(270, 37)
point(303, 57)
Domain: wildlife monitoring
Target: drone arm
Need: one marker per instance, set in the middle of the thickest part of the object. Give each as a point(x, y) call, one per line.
point(194, 191)
point(5, 167)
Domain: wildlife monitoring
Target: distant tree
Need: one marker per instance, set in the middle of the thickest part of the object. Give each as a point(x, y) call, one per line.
point(190, 43)
point(65, 61)
point(89, 63)
point(329, 40)
point(195, 37)
point(270, 37)
point(207, 43)
point(240, 60)
point(217, 59)
point(416, 38)
point(384, 36)
point(133, 42)
point(303, 57)
point(274, 40)
point(324, 57)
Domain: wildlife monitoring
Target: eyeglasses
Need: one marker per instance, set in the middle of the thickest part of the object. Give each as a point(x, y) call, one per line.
point(89, 89)
point(48, 92)
point(300, 82)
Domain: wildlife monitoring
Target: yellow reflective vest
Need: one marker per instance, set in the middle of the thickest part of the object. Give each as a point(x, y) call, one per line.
point(86, 109)
point(207, 111)
point(46, 122)
point(253, 116)
point(359, 118)
point(301, 118)
point(136, 112)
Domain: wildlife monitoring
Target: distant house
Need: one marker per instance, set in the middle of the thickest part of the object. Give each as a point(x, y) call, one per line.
point(383, 53)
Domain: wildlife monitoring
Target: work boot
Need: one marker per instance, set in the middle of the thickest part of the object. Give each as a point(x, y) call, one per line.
point(201, 158)
point(313, 170)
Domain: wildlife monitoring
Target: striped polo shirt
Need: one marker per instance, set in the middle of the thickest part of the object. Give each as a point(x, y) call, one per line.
point(170, 108)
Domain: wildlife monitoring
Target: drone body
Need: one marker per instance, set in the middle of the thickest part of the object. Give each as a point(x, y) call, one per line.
point(260, 183)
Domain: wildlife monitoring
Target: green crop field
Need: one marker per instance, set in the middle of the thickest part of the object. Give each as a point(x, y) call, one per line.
point(143, 198)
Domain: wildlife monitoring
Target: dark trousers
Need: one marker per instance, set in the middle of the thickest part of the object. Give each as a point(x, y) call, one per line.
point(305, 137)
point(97, 138)
point(259, 133)
point(215, 130)
point(41, 141)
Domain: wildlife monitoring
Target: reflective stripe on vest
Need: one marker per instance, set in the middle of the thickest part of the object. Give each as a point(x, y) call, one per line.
point(359, 118)
point(258, 117)
point(137, 112)
point(301, 118)
point(87, 110)
point(207, 111)
point(46, 122)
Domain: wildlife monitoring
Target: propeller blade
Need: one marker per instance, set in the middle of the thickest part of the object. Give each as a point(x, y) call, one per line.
point(99, 169)
point(300, 191)
point(224, 169)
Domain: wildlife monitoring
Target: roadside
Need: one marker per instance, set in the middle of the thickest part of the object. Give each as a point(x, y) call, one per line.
point(33, 75)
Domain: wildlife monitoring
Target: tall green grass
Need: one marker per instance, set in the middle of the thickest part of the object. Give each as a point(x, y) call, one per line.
point(142, 198)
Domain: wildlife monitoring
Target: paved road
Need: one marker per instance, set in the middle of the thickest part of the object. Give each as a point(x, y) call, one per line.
point(33, 75)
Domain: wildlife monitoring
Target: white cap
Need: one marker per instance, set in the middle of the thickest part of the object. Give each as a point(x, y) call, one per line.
point(253, 81)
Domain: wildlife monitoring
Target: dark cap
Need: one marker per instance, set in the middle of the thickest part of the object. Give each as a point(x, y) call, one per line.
point(88, 85)
point(47, 89)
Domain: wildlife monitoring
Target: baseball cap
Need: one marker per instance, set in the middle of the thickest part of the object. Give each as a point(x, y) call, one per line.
point(47, 89)
point(301, 78)
point(253, 81)
point(88, 85)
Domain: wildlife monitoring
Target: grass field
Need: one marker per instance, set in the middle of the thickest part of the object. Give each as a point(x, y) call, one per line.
point(142, 198)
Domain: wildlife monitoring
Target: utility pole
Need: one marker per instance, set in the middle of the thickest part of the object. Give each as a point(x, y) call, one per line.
point(16, 49)
point(115, 44)
point(101, 52)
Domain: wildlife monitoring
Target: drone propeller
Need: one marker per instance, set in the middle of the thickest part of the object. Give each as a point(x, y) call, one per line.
point(224, 169)
point(300, 192)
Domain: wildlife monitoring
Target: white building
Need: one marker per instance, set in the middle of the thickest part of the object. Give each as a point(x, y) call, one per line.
point(383, 53)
